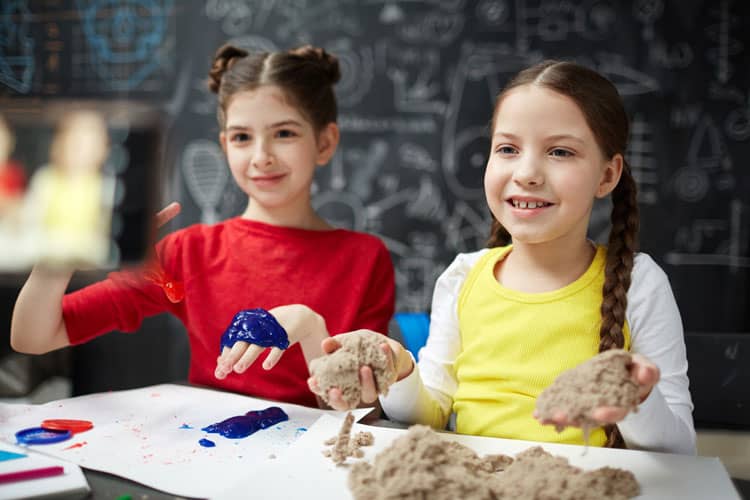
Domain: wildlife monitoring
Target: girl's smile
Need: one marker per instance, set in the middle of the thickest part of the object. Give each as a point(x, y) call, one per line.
point(267, 181)
point(527, 207)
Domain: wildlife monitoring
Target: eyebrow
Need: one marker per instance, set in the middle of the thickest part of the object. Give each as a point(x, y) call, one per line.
point(555, 137)
point(283, 123)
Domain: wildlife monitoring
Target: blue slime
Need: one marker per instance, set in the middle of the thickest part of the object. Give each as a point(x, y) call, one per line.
point(255, 326)
point(243, 425)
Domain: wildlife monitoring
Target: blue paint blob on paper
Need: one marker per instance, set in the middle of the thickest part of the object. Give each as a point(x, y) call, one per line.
point(206, 443)
point(186, 426)
point(255, 326)
point(251, 422)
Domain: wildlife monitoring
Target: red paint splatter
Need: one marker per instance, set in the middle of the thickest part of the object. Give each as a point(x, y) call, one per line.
point(173, 290)
point(77, 445)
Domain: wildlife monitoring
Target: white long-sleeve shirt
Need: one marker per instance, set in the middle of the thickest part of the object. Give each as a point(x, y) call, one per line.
point(663, 422)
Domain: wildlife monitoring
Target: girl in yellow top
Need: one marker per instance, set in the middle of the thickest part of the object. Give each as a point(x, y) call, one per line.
point(507, 320)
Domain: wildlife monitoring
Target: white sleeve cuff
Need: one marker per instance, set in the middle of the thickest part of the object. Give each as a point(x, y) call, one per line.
point(655, 427)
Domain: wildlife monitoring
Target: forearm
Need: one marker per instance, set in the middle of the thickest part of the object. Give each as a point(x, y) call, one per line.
point(409, 401)
point(304, 324)
point(37, 325)
point(658, 427)
point(318, 331)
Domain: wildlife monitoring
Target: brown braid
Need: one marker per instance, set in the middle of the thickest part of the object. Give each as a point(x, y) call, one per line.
point(620, 253)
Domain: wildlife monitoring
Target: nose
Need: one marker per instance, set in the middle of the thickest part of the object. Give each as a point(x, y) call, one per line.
point(529, 171)
point(262, 157)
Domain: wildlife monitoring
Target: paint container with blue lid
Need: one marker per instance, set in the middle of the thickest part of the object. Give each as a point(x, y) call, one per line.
point(39, 435)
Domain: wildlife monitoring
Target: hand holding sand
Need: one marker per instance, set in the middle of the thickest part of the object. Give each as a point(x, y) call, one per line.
point(357, 367)
point(603, 390)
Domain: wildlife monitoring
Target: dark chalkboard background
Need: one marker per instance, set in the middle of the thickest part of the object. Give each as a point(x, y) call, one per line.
point(418, 83)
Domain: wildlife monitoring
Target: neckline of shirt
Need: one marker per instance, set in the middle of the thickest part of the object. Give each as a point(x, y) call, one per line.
point(595, 269)
point(249, 225)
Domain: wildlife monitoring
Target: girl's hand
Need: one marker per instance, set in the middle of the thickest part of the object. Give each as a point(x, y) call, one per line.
point(302, 325)
point(398, 359)
point(642, 371)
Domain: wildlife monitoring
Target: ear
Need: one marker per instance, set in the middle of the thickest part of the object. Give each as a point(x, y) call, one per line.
point(610, 176)
point(328, 141)
point(223, 141)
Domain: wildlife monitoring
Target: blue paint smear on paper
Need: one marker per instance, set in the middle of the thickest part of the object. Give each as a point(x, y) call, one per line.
point(186, 426)
point(255, 326)
point(206, 443)
point(242, 426)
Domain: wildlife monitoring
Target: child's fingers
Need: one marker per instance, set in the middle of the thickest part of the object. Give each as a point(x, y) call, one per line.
point(223, 368)
point(167, 213)
point(273, 357)
point(367, 384)
point(312, 384)
point(336, 400)
point(392, 364)
point(248, 358)
point(645, 374)
point(608, 414)
point(330, 345)
point(644, 371)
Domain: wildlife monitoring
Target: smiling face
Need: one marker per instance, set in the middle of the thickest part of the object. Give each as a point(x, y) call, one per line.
point(545, 167)
point(273, 150)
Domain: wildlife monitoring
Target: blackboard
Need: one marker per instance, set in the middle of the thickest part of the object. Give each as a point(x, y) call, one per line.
point(419, 78)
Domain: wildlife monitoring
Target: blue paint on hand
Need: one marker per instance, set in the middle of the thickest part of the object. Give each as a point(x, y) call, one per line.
point(255, 326)
point(243, 425)
point(206, 443)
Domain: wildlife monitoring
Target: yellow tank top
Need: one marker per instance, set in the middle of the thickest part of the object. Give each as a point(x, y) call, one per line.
point(514, 344)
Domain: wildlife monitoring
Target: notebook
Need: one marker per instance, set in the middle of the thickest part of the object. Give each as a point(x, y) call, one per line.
point(69, 485)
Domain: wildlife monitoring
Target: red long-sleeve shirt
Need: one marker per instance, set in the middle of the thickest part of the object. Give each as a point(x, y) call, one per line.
point(345, 276)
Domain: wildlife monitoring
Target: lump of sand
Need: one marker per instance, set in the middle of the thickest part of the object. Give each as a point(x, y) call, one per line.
point(603, 380)
point(341, 367)
point(421, 465)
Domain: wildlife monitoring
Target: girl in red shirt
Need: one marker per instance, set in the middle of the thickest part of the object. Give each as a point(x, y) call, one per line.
point(277, 115)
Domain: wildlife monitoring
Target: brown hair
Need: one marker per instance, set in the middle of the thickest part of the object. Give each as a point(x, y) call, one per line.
point(306, 75)
point(602, 106)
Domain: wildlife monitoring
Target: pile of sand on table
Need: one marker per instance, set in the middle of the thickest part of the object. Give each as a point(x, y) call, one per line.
point(421, 465)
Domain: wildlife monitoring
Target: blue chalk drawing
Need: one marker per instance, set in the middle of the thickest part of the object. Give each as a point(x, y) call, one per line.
point(130, 34)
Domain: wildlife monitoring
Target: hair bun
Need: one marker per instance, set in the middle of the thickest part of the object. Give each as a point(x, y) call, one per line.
point(328, 63)
point(224, 58)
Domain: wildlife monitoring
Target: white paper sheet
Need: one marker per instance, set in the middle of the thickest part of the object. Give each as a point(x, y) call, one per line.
point(303, 471)
point(151, 435)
